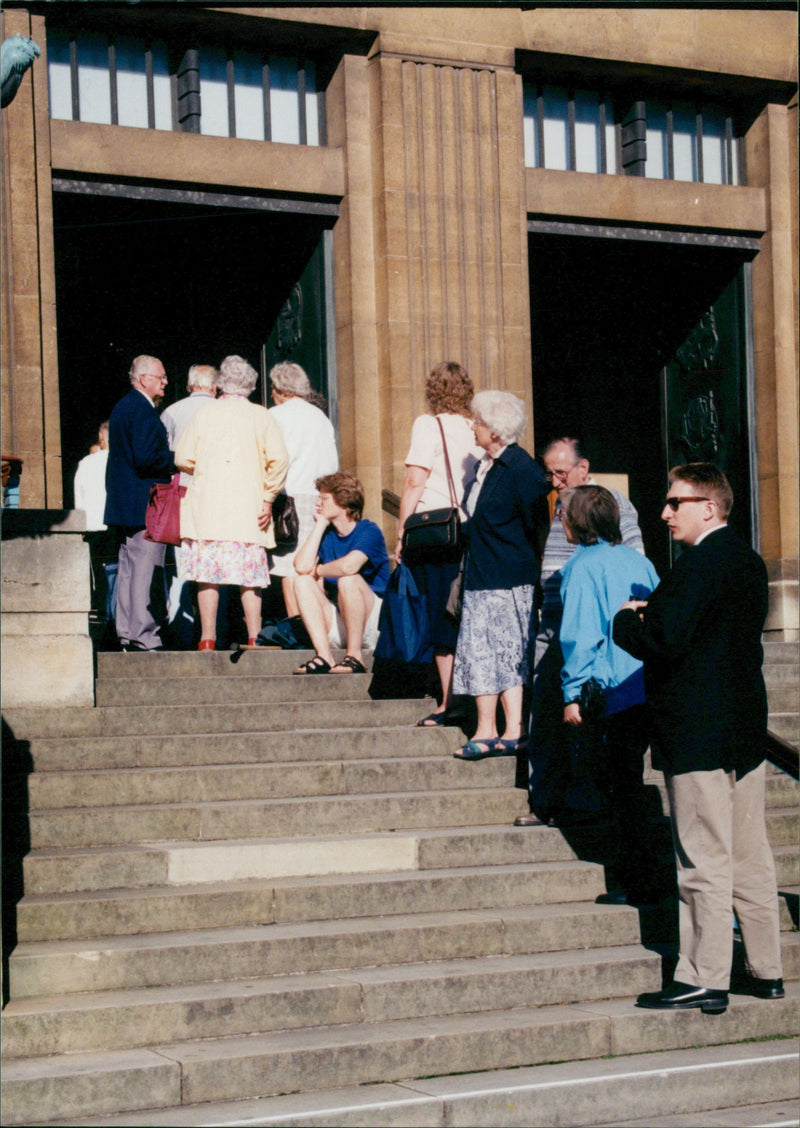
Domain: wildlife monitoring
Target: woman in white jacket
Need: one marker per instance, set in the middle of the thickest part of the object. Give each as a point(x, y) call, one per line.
point(235, 453)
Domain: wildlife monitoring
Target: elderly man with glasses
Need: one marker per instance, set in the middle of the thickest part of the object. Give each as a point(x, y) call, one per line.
point(699, 637)
point(139, 455)
point(557, 792)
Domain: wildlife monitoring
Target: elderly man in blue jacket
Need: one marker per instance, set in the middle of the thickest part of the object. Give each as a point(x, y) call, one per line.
point(139, 455)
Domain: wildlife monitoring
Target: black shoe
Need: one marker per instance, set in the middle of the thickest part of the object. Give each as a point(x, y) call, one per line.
point(637, 898)
point(765, 988)
point(682, 996)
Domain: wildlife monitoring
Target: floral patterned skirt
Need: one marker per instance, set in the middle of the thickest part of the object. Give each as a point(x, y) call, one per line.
point(494, 641)
point(224, 562)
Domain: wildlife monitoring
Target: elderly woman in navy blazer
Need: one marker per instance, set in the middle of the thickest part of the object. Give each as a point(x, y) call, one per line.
point(508, 518)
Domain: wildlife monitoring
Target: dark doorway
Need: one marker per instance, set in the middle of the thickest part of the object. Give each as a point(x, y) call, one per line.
point(188, 283)
point(609, 317)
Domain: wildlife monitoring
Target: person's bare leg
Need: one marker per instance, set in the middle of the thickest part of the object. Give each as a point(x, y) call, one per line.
point(316, 612)
point(512, 707)
point(208, 601)
point(356, 601)
point(486, 704)
point(289, 599)
point(251, 605)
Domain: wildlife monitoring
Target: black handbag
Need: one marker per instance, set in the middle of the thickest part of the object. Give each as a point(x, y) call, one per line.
point(434, 536)
point(285, 522)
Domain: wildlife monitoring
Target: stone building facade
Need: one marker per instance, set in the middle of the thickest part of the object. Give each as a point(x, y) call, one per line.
point(595, 209)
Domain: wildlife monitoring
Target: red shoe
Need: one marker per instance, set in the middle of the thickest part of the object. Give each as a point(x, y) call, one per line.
point(206, 644)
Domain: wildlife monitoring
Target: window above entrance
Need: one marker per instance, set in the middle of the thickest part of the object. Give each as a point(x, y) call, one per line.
point(593, 131)
point(118, 80)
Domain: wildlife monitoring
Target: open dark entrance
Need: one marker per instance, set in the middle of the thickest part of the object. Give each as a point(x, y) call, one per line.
point(639, 348)
point(188, 282)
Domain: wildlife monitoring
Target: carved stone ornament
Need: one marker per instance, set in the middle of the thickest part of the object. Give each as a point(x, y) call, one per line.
point(699, 351)
point(700, 433)
point(290, 321)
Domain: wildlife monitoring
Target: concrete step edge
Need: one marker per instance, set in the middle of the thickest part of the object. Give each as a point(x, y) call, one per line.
point(604, 1030)
point(432, 1101)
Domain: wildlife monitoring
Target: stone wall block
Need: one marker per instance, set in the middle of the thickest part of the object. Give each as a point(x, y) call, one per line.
point(47, 652)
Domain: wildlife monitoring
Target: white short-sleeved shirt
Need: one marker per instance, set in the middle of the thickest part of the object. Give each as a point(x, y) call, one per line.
point(426, 451)
point(310, 441)
point(90, 488)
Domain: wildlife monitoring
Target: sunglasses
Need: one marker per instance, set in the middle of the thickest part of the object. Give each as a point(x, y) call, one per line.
point(676, 502)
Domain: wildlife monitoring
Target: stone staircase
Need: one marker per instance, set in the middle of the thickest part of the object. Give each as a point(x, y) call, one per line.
point(253, 898)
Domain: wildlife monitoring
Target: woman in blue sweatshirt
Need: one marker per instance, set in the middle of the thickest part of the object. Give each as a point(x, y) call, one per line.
point(600, 576)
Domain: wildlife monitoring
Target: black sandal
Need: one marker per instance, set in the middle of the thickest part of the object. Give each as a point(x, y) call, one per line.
point(315, 665)
point(349, 665)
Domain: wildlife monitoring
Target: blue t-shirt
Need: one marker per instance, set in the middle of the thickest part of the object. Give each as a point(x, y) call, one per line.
point(366, 537)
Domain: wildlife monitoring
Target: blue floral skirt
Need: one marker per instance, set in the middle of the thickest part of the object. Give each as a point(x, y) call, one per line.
point(495, 641)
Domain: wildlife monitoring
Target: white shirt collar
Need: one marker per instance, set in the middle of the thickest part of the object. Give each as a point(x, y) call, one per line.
point(143, 393)
point(708, 533)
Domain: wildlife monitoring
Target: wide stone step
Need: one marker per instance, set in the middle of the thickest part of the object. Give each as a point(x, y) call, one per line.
point(285, 900)
point(255, 688)
point(74, 869)
point(117, 787)
point(247, 818)
point(784, 697)
point(786, 726)
point(161, 959)
point(693, 1084)
point(80, 753)
point(117, 867)
point(147, 1016)
point(263, 662)
point(311, 1060)
point(162, 718)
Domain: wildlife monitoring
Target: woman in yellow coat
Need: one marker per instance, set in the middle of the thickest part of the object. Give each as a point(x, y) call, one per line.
point(235, 453)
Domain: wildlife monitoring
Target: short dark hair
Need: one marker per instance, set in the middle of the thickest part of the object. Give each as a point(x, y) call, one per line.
point(345, 490)
point(593, 514)
point(708, 480)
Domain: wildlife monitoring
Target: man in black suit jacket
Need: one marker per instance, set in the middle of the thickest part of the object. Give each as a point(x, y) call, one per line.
point(699, 636)
point(138, 456)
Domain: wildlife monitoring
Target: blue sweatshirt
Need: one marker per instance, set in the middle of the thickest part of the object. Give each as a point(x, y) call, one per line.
point(596, 580)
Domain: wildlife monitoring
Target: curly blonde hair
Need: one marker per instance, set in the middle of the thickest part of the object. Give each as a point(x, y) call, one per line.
point(449, 389)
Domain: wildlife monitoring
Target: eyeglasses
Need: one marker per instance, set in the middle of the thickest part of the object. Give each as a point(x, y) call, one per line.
point(676, 502)
point(153, 376)
point(561, 474)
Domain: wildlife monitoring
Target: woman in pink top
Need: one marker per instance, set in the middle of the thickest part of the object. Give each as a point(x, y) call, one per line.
point(449, 392)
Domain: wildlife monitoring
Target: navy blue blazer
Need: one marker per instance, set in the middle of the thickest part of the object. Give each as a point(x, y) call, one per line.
point(700, 641)
point(138, 456)
point(506, 533)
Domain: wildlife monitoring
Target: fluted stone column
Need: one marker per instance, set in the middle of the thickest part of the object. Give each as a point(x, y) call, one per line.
point(431, 245)
point(772, 163)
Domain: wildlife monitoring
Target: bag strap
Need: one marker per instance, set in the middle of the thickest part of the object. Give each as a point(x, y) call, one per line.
point(450, 482)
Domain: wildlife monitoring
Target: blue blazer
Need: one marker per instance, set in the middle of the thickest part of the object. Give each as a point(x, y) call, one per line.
point(138, 456)
point(506, 533)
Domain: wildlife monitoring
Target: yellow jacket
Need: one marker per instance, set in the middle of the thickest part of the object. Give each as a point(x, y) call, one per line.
point(235, 453)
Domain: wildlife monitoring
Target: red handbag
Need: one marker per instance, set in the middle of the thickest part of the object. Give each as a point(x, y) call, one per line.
point(163, 517)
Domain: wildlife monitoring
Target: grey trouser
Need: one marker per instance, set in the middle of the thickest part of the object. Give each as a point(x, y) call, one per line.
point(135, 617)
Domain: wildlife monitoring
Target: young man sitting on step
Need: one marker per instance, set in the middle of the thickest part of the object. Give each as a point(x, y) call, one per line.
point(342, 572)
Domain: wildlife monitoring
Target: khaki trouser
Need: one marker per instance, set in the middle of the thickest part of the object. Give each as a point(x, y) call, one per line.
point(725, 865)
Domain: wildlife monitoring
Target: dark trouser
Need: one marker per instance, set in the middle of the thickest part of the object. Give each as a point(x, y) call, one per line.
point(625, 742)
point(558, 775)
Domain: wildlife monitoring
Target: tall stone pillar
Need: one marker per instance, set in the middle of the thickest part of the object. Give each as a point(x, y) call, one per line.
point(30, 408)
point(431, 245)
point(772, 164)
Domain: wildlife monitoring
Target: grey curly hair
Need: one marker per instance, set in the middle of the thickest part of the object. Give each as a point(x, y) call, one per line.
point(236, 376)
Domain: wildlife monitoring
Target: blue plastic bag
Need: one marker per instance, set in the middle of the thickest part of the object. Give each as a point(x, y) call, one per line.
point(405, 634)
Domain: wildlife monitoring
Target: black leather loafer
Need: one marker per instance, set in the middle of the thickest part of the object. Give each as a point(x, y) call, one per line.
point(529, 820)
point(765, 988)
point(682, 996)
